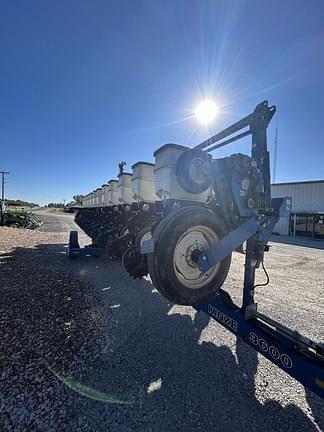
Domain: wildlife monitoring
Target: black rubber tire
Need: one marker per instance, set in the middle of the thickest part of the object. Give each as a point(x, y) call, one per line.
point(111, 249)
point(183, 171)
point(160, 263)
point(123, 231)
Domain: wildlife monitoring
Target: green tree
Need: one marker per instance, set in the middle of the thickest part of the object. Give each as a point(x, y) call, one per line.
point(78, 198)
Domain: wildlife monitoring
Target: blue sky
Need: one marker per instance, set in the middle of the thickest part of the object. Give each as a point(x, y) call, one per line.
point(85, 84)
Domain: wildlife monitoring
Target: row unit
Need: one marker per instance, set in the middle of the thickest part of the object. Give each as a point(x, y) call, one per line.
point(147, 182)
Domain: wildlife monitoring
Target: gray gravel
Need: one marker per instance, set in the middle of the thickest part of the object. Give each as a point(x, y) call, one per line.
point(178, 370)
point(51, 323)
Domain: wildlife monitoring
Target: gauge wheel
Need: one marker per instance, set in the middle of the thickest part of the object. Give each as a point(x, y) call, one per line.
point(172, 266)
point(143, 235)
point(193, 171)
point(123, 231)
point(112, 248)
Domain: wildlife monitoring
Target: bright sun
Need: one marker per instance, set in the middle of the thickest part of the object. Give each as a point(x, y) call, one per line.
point(206, 111)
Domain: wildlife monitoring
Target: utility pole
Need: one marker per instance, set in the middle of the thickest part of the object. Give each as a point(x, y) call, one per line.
point(3, 177)
point(2, 204)
point(275, 152)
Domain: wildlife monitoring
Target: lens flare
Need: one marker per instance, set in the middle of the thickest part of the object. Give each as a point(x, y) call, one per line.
point(206, 111)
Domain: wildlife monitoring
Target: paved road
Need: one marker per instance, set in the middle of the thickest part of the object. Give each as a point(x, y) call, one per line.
point(54, 221)
point(187, 373)
point(61, 223)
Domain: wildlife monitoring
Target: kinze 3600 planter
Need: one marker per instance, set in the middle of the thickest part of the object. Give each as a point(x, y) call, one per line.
point(205, 209)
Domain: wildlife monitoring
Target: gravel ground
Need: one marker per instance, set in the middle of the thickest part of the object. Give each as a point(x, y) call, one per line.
point(86, 348)
point(50, 324)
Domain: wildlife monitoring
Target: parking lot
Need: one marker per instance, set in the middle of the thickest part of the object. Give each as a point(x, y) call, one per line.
point(87, 348)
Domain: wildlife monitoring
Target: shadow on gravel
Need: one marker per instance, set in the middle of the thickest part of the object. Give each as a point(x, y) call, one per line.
point(95, 325)
point(317, 406)
point(179, 381)
point(185, 384)
point(48, 320)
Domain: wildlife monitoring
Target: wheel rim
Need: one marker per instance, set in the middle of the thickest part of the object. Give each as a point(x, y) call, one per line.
point(146, 236)
point(123, 231)
point(195, 171)
point(199, 238)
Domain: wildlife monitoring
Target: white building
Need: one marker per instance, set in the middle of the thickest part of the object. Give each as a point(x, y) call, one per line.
point(307, 214)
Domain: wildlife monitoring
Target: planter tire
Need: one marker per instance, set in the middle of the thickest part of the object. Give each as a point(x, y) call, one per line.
point(172, 270)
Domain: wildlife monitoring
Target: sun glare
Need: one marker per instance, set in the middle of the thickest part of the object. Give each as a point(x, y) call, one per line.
point(206, 111)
